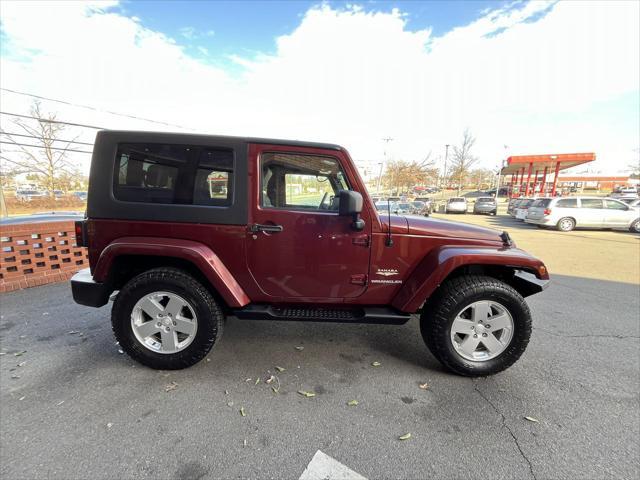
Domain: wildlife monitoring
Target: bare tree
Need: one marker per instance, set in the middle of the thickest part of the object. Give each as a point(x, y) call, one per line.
point(49, 159)
point(402, 175)
point(462, 159)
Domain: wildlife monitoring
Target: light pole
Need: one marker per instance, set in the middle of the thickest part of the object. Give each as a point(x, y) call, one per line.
point(500, 171)
point(379, 178)
point(384, 153)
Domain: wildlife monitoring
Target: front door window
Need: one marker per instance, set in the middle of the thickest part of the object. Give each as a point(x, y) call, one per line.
point(301, 182)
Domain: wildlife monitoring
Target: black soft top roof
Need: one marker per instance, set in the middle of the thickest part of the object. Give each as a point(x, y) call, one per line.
point(170, 137)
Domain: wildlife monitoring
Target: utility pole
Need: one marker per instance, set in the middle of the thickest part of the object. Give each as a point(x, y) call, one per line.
point(444, 174)
point(384, 153)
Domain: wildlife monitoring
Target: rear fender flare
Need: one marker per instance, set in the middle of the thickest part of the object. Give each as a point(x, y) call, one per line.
point(438, 264)
point(197, 253)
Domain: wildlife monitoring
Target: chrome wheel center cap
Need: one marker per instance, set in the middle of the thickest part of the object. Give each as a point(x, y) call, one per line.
point(166, 322)
point(480, 328)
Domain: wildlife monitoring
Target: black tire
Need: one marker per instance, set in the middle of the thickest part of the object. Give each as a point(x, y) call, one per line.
point(450, 299)
point(566, 224)
point(635, 226)
point(210, 318)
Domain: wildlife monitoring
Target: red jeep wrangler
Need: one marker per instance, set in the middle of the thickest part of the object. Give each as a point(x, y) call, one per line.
point(190, 228)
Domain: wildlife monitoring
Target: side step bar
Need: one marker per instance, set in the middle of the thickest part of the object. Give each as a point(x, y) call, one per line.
point(382, 315)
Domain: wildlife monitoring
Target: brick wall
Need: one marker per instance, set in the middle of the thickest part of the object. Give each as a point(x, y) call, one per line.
point(38, 253)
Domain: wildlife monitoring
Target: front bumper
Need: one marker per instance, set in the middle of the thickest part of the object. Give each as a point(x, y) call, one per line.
point(88, 292)
point(528, 284)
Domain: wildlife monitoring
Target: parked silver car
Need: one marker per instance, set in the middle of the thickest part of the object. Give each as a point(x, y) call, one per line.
point(456, 205)
point(565, 214)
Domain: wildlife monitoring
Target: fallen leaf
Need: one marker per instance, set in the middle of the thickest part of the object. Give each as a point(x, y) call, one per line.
point(242, 412)
point(15, 377)
point(170, 387)
point(59, 403)
point(226, 392)
point(121, 352)
point(299, 348)
point(352, 403)
point(73, 332)
point(306, 394)
point(406, 436)
point(19, 354)
point(248, 380)
point(244, 443)
point(22, 364)
point(531, 419)
point(280, 369)
point(275, 390)
point(45, 313)
point(3, 353)
point(270, 379)
point(375, 364)
point(257, 381)
point(424, 386)
point(22, 398)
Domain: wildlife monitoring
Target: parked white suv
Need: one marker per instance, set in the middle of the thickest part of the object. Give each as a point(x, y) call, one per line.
point(456, 205)
point(565, 214)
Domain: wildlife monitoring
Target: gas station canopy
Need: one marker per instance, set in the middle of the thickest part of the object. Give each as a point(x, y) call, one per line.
point(533, 165)
point(565, 160)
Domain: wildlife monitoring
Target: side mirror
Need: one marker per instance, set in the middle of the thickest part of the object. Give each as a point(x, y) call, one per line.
point(351, 205)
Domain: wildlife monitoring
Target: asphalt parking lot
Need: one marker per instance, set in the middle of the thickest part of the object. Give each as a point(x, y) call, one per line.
point(73, 407)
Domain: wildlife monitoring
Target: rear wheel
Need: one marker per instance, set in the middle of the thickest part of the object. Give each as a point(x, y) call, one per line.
point(566, 224)
point(165, 319)
point(635, 226)
point(476, 325)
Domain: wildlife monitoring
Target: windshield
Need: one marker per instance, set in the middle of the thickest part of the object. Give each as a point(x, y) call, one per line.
point(542, 203)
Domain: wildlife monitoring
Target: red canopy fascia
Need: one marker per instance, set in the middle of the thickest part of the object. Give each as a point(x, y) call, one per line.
point(518, 163)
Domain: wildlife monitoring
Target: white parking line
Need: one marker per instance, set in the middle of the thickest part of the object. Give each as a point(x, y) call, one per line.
point(323, 467)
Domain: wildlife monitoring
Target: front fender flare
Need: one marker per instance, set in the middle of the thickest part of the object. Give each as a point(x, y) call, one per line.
point(196, 253)
point(436, 266)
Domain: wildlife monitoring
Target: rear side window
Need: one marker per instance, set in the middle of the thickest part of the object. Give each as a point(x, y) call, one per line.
point(567, 203)
point(173, 174)
point(591, 203)
point(213, 184)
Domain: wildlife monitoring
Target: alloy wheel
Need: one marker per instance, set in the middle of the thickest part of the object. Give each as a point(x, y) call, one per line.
point(164, 322)
point(482, 331)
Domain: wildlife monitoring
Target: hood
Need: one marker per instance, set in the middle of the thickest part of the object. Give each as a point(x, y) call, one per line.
point(445, 228)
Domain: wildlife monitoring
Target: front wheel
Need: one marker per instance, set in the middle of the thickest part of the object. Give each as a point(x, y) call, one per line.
point(166, 319)
point(476, 325)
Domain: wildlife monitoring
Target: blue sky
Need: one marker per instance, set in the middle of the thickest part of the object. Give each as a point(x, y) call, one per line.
point(248, 27)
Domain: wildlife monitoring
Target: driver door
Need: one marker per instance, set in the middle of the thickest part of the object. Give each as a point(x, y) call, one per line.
point(297, 245)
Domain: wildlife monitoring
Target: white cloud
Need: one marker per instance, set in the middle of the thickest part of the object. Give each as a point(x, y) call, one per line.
point(353, 77)
point(188, 32)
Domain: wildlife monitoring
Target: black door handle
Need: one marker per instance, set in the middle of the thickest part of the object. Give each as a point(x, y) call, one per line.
point(256, 227)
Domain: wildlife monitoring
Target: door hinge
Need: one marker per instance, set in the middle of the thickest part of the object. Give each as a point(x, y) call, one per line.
point(359, 279)
point(362, 240)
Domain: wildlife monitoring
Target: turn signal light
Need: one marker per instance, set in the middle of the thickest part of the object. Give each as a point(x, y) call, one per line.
point(547, 211)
